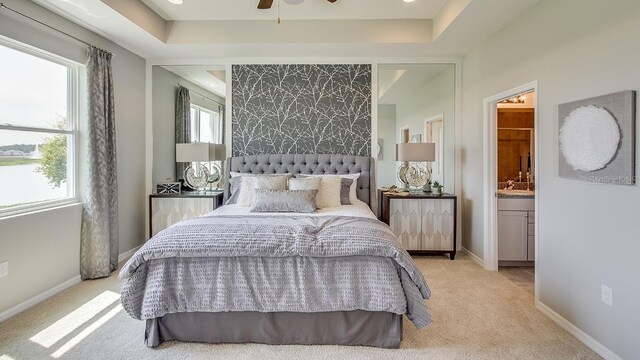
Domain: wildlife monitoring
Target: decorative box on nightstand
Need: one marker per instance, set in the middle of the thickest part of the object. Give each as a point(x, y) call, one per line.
point(167, 209)
point(424, 223)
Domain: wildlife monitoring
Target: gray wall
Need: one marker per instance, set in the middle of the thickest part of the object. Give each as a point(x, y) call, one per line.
point(589, 234)
point(434, 98)
point(164, 92)
point(43, 256)
point(387, 132)
point(301, 109)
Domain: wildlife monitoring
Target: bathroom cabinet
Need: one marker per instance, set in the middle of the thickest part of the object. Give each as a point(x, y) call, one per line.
point(516, 230)
point(512, 235)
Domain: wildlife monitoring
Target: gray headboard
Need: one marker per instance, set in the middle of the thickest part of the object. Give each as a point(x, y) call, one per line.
point(309, 164)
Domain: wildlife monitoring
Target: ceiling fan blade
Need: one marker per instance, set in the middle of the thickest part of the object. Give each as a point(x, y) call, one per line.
point(265, 4)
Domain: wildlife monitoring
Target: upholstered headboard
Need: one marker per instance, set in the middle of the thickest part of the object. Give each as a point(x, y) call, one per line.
point(309, 164)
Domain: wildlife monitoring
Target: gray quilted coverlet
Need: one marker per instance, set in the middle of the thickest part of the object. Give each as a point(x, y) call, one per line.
point(269, 263)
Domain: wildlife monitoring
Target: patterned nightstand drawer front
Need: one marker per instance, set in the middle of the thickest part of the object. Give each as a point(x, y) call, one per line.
point(423, 224)
point(168, 209)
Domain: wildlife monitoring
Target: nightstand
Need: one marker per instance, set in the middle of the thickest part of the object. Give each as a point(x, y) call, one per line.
point(424, 223)
point(167, 209)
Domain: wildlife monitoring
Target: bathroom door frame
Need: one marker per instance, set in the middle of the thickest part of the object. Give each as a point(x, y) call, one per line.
point(490, 157)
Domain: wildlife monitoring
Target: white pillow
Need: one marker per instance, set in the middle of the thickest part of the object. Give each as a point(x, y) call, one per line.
point(252, 182)
point(329, 192)
point(353, 196)
point(312, 183)
point(305, 184)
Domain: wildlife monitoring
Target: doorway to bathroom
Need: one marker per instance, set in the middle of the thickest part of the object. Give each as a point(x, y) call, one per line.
point(510, 185)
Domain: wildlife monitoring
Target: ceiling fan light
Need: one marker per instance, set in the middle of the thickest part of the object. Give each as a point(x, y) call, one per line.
point(177, 2)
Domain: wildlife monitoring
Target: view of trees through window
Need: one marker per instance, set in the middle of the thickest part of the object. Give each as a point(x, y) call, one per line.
point(36, 132)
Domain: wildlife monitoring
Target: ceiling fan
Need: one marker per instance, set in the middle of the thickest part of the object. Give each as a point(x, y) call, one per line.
point(266, 4)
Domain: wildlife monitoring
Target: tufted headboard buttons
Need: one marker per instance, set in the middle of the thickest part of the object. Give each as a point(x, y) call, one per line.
point(309, 164)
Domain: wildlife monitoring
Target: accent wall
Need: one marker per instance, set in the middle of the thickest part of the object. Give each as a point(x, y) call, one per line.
point(301, 109)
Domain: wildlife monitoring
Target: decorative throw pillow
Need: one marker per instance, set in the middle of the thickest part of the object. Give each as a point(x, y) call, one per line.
point(345, 191)
point(329, 193)
point(250, 182)
point(353, 197)
point(303, 201)
point(305, 184)
point(270, 182)
point(234, 189)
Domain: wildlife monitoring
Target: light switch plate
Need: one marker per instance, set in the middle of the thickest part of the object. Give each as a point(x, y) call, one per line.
point(4, 269)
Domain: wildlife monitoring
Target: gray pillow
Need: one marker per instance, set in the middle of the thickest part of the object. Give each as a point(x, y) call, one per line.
point(234, 189)
point(302, 201)
point(345, 188)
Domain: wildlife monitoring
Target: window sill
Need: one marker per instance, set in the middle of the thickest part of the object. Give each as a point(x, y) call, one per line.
point(35, 209)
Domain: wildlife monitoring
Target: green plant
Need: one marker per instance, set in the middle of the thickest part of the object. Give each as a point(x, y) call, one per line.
point(437, 185)
point(54, 157)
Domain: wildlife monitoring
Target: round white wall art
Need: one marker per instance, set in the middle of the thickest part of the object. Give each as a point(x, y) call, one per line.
point(589, 138)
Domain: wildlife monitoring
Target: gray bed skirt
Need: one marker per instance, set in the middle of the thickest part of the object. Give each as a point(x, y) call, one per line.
point(365, 328)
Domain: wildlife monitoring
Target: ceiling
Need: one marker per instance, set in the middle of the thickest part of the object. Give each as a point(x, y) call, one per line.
point(210, 77)
point(396, 82)
point(315, 29)
point(309, 9)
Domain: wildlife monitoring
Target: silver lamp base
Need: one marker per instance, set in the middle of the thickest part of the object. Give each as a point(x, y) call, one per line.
point(413, 176)
point(196, 177)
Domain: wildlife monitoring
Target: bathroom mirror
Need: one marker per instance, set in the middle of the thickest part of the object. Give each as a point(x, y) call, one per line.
point(416, 103)
point(188, 105)
point(516, 150)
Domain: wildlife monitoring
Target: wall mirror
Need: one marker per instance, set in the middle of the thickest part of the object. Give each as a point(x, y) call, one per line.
point(416, 103)
point(188, 106)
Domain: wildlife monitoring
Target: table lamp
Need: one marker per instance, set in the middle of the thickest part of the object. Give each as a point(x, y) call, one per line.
point(198, 176)
point(414, 175)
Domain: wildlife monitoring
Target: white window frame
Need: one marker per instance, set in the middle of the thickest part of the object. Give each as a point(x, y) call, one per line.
point(195, 122)
point(73, 152)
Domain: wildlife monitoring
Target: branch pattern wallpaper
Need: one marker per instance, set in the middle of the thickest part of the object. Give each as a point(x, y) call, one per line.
point(301, 109)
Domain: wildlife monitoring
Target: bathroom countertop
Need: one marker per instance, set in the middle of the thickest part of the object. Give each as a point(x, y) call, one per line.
point(503, 196)
point(515, 194)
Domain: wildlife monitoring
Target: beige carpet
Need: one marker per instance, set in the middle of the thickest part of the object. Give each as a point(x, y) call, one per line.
point(476, 314)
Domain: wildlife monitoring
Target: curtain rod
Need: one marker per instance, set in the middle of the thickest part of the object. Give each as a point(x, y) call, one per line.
point(204, 96)
point(3, 6)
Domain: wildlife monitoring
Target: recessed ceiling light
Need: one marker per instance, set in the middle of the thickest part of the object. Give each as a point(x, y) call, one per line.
point(402, 0)
point(177, 2)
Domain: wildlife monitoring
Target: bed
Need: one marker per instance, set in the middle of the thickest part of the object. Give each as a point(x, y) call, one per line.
point(336, 276)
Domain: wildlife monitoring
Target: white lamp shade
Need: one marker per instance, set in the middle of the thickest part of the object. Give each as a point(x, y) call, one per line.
point(200, 152)
point(217, 152)
point(416, 152)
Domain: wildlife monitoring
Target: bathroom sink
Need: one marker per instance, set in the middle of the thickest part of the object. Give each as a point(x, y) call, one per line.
point(516, 192)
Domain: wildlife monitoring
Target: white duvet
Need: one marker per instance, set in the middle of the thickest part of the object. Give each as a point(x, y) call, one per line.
point(359, 209)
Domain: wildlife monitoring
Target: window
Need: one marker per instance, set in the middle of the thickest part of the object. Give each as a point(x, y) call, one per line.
point(206, 125)
point(38, 128)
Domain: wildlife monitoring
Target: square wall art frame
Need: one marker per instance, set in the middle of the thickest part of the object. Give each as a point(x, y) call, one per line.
point(620, 169)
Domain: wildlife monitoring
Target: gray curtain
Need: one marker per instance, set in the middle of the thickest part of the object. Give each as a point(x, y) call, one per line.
point(183, 124)
point(99, 244)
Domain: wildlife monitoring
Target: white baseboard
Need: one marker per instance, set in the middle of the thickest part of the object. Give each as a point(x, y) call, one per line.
point(579, 334)
point(127, 254)
point(39, 298)
point(54, 291)
point(473, 257)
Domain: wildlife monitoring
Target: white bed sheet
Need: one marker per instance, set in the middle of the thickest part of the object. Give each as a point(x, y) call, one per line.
point(359, 209)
